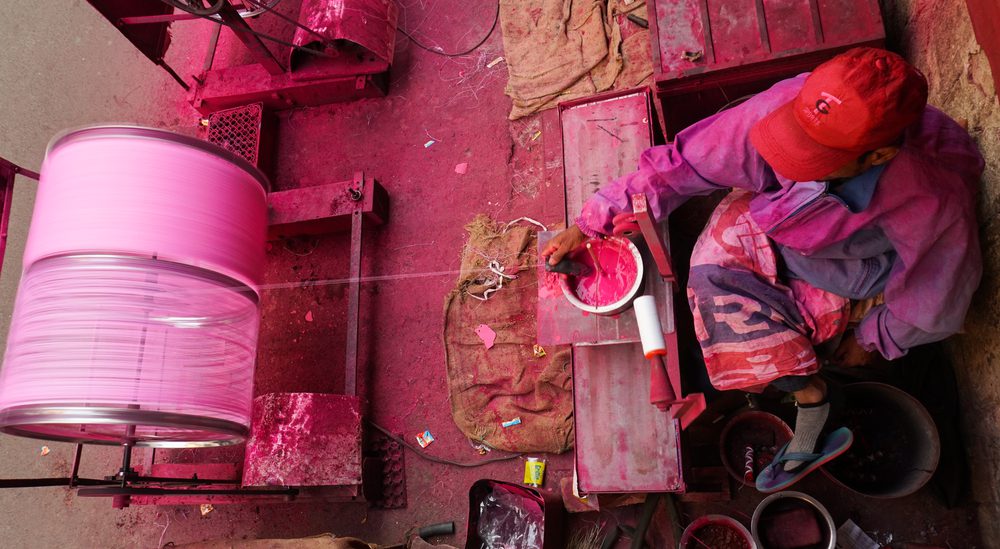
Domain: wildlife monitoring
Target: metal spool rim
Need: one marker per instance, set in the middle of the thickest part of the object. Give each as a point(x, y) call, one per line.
point(156, 134)
point(26, 421)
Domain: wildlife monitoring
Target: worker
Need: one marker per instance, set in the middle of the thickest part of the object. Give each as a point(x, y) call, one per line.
point(849, 235)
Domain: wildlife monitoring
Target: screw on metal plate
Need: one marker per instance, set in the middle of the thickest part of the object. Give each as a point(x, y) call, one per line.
point(692, 55)
point(355, 194)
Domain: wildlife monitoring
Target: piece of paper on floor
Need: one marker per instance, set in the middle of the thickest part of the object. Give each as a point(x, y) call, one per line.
point(850, 536)
point(486, 334)
point(461, 168)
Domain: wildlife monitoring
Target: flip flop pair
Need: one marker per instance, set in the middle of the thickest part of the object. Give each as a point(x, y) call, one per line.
point(775, 478)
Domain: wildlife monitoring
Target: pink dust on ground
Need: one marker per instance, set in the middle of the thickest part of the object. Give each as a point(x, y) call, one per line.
point(612, 280)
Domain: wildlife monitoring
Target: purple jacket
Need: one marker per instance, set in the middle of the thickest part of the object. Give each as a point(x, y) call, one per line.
point(924, 204)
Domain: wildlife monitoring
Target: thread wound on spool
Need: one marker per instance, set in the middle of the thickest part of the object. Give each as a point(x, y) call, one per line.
point(136, 319)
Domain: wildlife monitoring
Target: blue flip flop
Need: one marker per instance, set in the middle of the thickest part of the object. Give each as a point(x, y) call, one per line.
point(775, 478)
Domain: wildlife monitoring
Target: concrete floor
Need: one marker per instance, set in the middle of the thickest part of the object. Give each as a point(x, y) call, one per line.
point(64, 66)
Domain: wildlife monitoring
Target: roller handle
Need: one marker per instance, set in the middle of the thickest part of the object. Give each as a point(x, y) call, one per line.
point(568, 267)
point(661, 391)
point(440, 529)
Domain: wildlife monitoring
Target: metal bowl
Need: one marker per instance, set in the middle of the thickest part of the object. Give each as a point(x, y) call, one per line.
point(804, 501)
point(721, 520)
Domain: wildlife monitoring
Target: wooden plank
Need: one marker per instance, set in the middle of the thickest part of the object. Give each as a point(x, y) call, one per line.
point(623, 443)
point(603, 138)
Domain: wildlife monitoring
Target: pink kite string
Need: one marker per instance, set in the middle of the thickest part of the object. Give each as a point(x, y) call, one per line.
point(101, 320)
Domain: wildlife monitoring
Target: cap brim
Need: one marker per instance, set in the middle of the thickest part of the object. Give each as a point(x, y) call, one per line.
point(790, 151)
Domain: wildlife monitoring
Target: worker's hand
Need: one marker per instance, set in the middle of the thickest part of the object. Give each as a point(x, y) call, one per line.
point(851, 354)
point(563, 243)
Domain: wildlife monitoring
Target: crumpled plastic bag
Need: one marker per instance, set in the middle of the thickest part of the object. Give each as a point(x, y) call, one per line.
point(510, 521)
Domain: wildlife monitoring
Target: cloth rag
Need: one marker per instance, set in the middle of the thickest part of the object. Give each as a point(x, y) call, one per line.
point(557, 50)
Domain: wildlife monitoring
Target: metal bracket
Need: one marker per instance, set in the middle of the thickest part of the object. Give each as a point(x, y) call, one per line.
point(657, 247)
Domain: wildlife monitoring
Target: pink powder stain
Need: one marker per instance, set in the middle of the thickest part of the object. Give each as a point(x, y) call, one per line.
point(486, 334)
point(548, 284)
point(617, 274)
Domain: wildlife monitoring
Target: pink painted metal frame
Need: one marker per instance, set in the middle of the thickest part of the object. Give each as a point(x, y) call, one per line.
point(314, 210)
point(8, 171)
point(268, 80)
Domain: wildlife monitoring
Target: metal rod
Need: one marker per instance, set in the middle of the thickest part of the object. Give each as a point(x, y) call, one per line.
point(104, 491)
point(76, 466)
point(213, 44)
point(354, 293)
point(252, 42)
point(174, 480)
point(152, 19)
point(26, 173)
point(126, 463)
point(47, 482)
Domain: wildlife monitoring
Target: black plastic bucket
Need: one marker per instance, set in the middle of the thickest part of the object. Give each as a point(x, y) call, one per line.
point(896, 445)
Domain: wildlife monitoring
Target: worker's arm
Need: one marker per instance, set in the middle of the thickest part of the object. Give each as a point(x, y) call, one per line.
point(712, 154)
point(938, 268)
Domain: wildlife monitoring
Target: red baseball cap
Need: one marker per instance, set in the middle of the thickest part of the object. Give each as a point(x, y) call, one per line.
point(856, 102)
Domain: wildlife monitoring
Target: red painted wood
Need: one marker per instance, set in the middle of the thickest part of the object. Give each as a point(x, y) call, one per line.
point(985, 16)
point(709, 52)
point(736, 36)
point(623, 444)
point(617, 125)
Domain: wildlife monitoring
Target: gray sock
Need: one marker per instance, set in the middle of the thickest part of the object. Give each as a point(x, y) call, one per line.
point(809, 422)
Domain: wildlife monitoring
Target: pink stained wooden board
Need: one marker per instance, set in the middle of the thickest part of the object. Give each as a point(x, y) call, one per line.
point(700, 37)
point(623, 443)
point(603, 137)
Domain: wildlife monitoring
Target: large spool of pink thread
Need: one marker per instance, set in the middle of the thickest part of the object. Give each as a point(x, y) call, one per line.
point(137, 315)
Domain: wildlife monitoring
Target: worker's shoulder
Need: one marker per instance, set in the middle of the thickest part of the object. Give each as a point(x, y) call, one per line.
point(778, 94)
point(940, 147)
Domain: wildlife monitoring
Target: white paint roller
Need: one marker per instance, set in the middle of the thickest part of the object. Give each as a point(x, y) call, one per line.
point(650, 331)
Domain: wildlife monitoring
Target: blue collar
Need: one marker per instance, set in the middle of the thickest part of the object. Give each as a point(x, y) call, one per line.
point(857, 192)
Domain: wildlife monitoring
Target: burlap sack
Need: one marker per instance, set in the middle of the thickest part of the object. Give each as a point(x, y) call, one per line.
point(490, 386)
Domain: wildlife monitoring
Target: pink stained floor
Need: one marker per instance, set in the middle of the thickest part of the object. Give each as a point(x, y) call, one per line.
point(458, 104)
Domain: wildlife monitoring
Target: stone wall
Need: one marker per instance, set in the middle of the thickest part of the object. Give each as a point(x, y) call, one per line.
point(937, 36)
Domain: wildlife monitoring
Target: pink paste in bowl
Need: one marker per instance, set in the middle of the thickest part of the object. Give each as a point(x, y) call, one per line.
point(615, 278)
